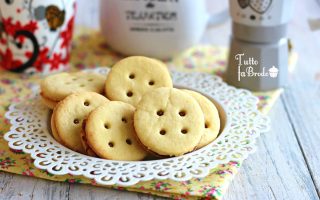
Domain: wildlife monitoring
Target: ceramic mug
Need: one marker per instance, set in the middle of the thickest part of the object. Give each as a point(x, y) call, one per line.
point(156, 28)
point(35, 35)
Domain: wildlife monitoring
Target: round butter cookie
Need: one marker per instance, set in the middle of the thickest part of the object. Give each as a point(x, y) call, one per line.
point(56, 87)
point(169, 122)
point(132, 77)
point(211, 118)
point(54, 130)
point(49, 103)
point(110, 132)
point(84, 141)
point(70, 113)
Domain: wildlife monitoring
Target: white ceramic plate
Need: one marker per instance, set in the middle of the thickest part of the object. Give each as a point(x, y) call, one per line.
point(242, 124)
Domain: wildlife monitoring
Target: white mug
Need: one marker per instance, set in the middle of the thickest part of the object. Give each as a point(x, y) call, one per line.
point(155, 28)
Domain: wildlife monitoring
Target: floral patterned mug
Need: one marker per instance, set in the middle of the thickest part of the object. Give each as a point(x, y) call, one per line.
point(35, 35)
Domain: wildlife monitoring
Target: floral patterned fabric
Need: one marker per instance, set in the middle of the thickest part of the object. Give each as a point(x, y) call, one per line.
point(90, 50)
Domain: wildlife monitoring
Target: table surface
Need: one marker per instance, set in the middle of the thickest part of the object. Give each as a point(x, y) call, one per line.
point(287, 162)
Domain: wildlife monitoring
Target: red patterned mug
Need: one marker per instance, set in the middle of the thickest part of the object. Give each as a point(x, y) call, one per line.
point(35, 35)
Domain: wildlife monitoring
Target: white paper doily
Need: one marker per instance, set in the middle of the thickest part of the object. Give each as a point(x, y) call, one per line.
point(244, 123)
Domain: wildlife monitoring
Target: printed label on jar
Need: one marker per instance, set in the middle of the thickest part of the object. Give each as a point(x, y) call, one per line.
point(152, 16)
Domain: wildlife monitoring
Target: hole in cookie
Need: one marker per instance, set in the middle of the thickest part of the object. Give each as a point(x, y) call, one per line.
point(68, 83)
point(163, 132)
point(129, 94)
point(82, 85)
point(111, 144)
point(86, 103)
point(184, 131)
point(76, 121)
point(128, 141)
point(160, 112)
point(106, 126)
point(74, 79)
point(124, 120)
point(131, 76)
point(206, 125)
point(151, 82)
point(90, 79)
point(182, 113)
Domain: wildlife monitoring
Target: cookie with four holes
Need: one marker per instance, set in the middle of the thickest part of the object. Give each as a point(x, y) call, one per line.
point(132, 77)
point(56, 87)
point(70, 113)
point(110, 132)
point(169, 122)
point(211, 117)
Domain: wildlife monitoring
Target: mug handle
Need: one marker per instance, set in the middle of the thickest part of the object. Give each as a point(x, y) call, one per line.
point(220, 17)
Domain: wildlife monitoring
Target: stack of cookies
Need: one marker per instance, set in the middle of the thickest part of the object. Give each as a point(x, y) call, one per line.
point(132, 113)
